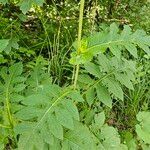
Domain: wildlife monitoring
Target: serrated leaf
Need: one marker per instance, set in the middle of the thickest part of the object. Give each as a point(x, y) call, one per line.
point(36, 142)
point(25, 6)
point(143, 128)
point(114, 87)
point(99, 42)
point(16, 97)
point(72, 109)
point(46, 135)
point(54, 126)
point(93, 69)
point(84, 78)
point(23, 128)
point(76, 96)
point(124, 79)
point(56, 145)
point(28, 113)
point(81, 137)
point(65, 145)
point(143, 134)
point(103, 95)
point(115, 50)
point(125, 34)
point(64, 118)
point(35, 99)
point(13, 43)
point(19, 87)
point(144, 47)
point(99, 119)
point(16, 69)
point(90, 96)
point(104, 62)
point(132, 49)
point(3, 44)
point(110, 143)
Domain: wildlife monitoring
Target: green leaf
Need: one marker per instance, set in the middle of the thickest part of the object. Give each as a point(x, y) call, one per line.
point(16, 69)
point(35, 99)
point(143, 128)
point(114, 87)
point(76, 96)
point(116, 50)
point(80, 58)
point(111, 139)
point(90, 96)
point(54, 126)
point(26, 5)
point(36, 142)
point(93, 69)
point(84, 78)
point(104, 63)
point(39, 2)
point(46, 135)
point(23, 129)
point(126, 33)
point(103, 95)
point(115, 41)
point(64, 118)
point(80, 137)
point(32, 113)
point(3, 1)
point(45, 114)
point(56, 146)
point(124, 79)
point(132, 49)
point(1, 146)
point(145, 146)
point(72, 109)
point(130, 141)
point(19, 87)
point(3, 44)
point(99, 120)
point(65, 145)
point(13, 43)
point(143, 134)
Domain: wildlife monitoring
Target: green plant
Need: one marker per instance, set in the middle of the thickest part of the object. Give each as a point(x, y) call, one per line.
point(143, 130)
point(36, 113)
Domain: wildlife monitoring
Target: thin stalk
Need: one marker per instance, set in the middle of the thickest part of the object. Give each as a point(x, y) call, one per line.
point(8, 110)
point(79, 39)
point(76, 76)
point(7, 104)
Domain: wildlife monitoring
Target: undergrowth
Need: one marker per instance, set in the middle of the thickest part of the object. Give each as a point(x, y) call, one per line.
point(93, 95)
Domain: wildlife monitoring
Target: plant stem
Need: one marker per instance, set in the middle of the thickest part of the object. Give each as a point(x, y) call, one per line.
point(8, 110)
point(80, 24)
point(79, 40)
point(76, 76)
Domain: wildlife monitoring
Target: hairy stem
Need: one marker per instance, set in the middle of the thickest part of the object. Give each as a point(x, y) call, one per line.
point(79, 39)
